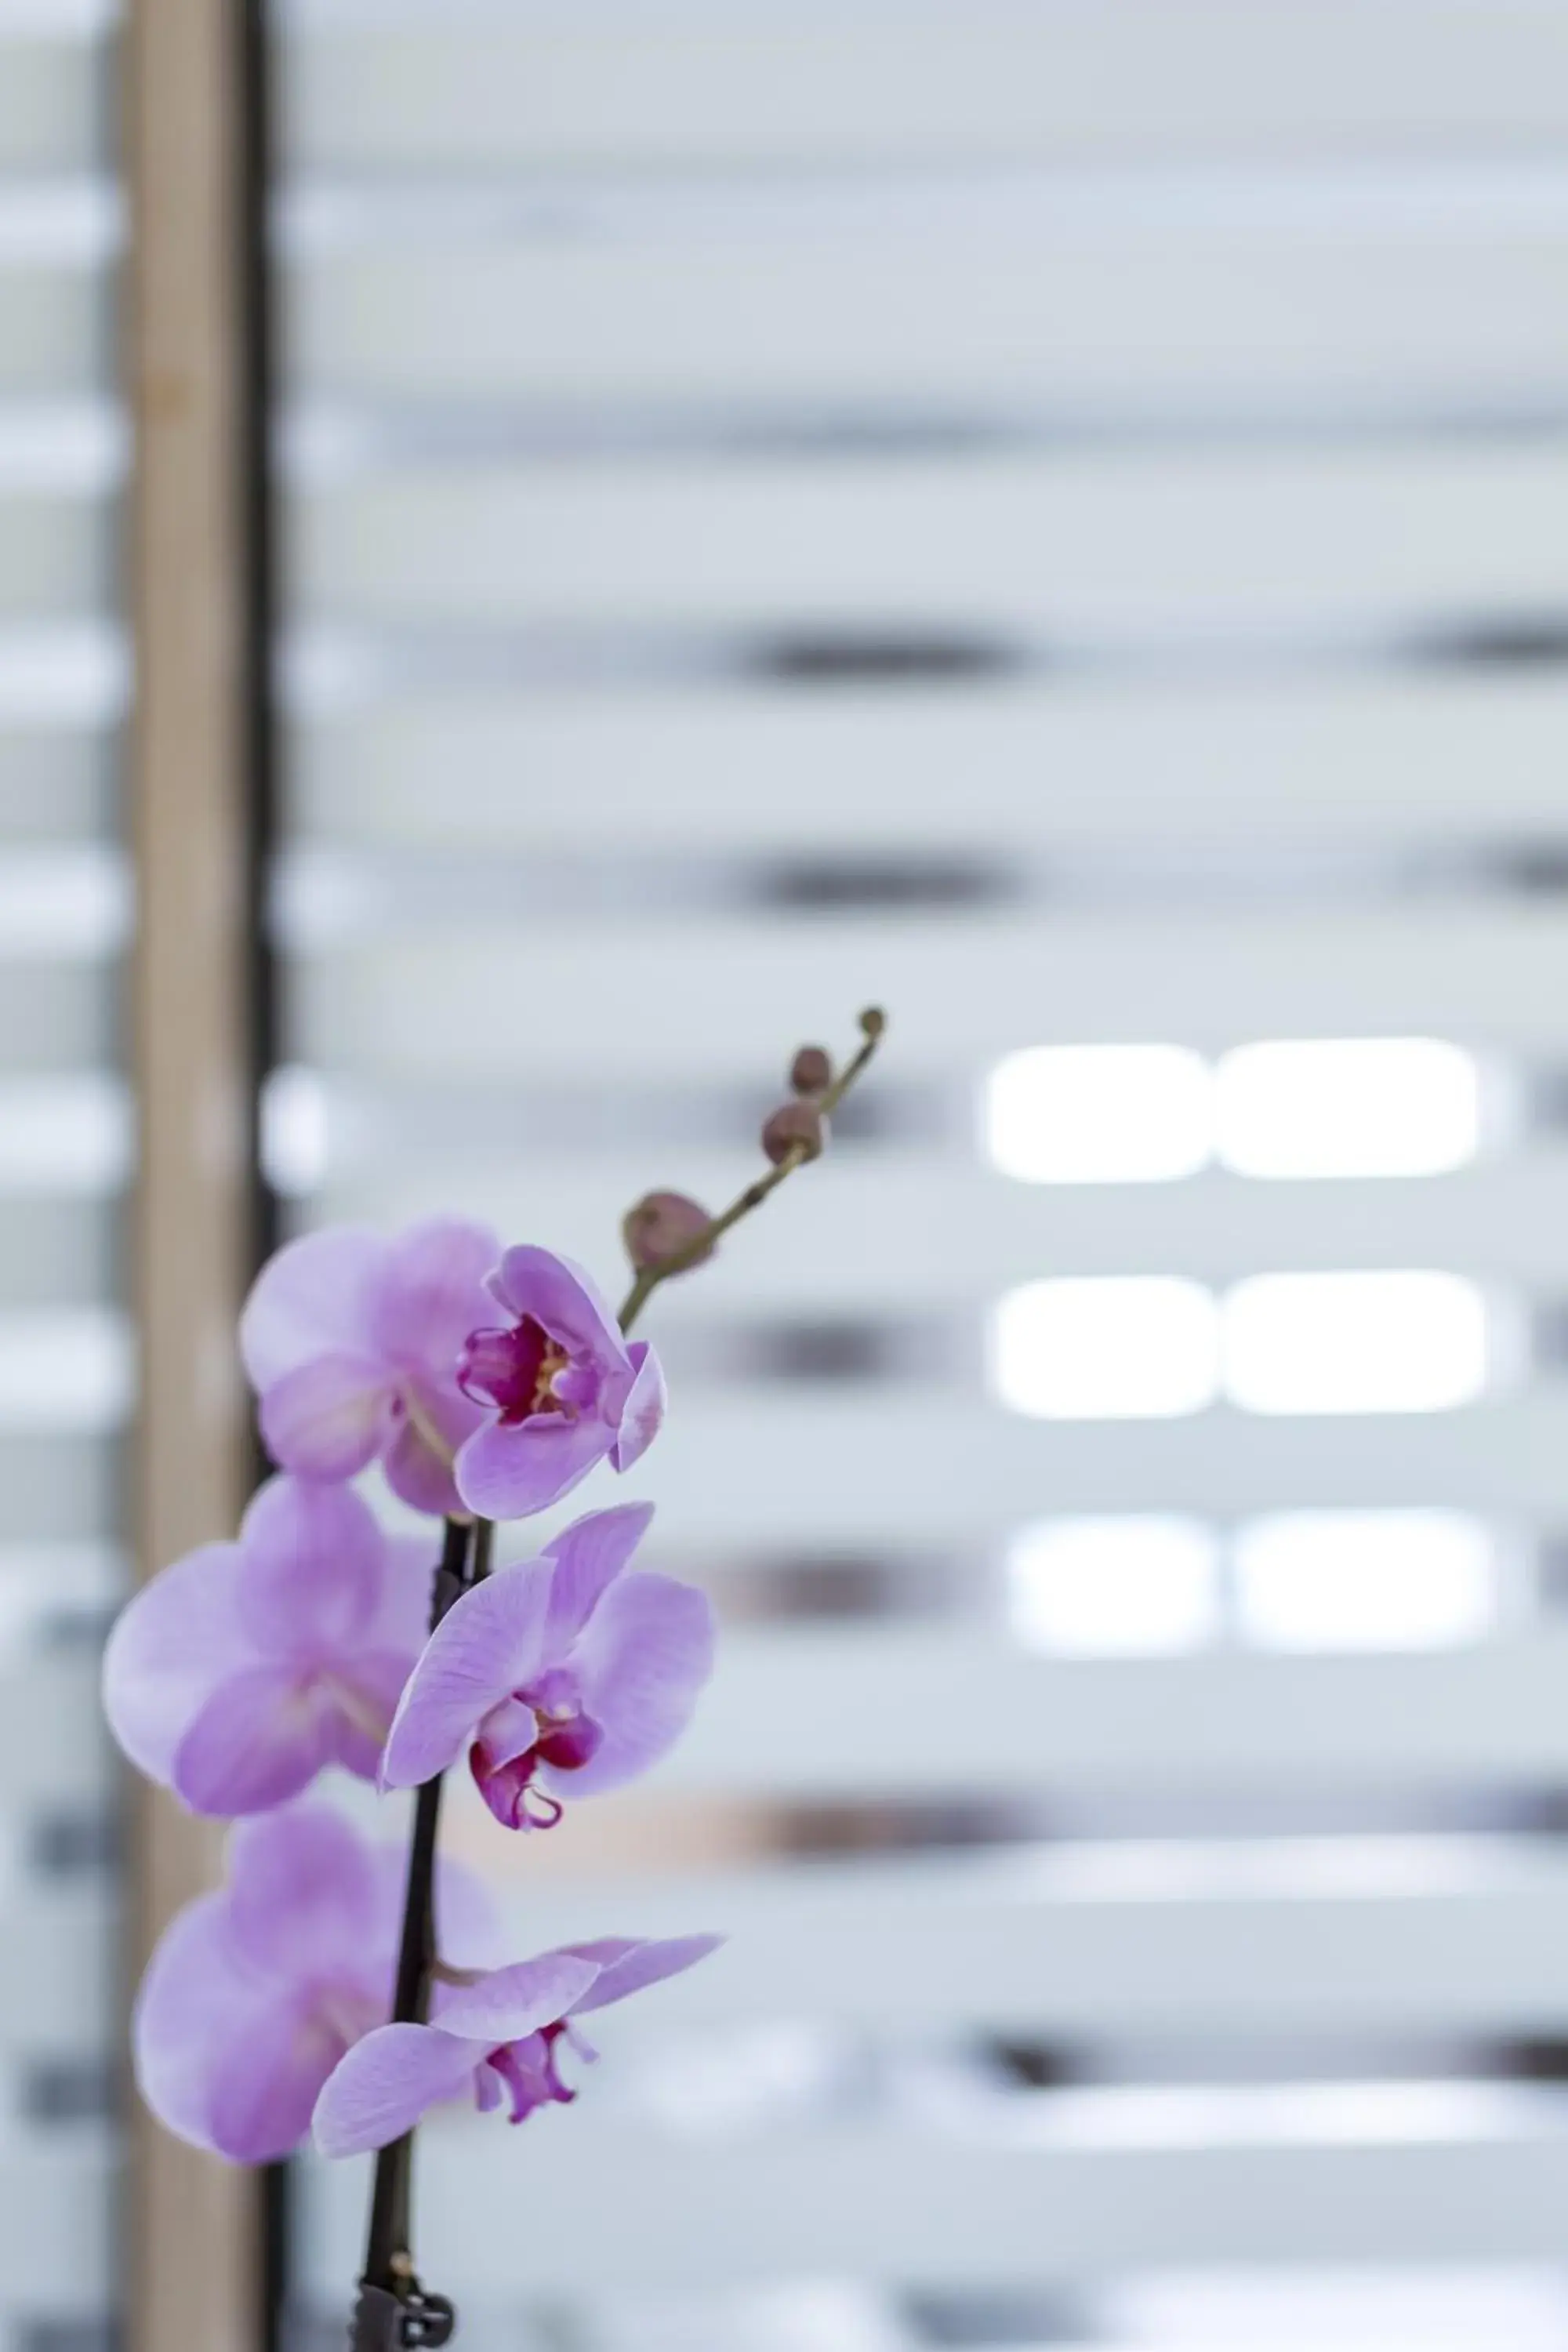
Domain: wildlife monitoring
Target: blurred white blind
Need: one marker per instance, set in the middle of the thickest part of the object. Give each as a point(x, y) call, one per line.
point(64, 1150)
point(1051, 516)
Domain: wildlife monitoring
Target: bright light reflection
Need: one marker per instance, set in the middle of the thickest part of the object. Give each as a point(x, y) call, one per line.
point(1404, 1342)
point(1114, 1586)
point(1365, 1580)
point(1347, 1106)
point(1117, 1349)
point(1099, 1114)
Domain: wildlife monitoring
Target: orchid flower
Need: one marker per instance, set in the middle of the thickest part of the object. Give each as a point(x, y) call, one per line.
point(254, 1993)
point(350, 1341)
point(561, 1388)
point(562, 1675)
point(241, 1671)
point(497, 2036)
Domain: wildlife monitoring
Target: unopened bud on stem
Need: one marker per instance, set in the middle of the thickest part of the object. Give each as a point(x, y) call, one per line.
point(660, 1226)
point(811, 1072)
point(795, 1125)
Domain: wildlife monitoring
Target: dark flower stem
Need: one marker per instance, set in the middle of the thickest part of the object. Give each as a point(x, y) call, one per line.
point(388, 2263)
point(872, 1024)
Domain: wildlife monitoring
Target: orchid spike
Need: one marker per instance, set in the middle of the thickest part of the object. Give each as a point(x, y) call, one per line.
point(497, 2038)
point(562, 1676)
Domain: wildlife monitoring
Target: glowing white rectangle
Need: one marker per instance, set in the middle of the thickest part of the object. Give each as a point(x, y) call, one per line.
point(1328, 1106)
point(1129, 1585)
point(1384, 1342)
point(1365, 1580)
point(1112, 1348)
point(1099, 1114)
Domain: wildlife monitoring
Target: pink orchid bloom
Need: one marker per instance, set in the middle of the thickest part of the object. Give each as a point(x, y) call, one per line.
point(562, 1676)
point(498, 2037)
point(350, 1340)
point(256, 1993)
point(561, 1388)
point(239, 1673)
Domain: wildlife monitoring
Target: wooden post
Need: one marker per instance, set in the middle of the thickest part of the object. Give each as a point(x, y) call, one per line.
point(193, 2225)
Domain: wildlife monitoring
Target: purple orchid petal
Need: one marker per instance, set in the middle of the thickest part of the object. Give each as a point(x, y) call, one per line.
point(315, 1298)
point(419, 1476)
point(508, 1730)
point(362, 1697)
point(195, 1999)
point(303, 1894)
point(509, 1473)
point(180, 1639)
point(401, 1619)
point(385, 2082)
point(641, 1661)
point(639, 1964)
point(262, 2088)
point(485, 1647)
point(328, 1418)
point(419, 1461)
point(508, 2004)
point(560, 1295)
point(314, 1563)
point(259, 1740)
point(431, 1293)
point(589, 1555)
point(644, 1408)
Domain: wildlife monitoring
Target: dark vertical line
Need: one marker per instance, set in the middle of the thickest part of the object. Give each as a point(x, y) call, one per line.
point(258, 383)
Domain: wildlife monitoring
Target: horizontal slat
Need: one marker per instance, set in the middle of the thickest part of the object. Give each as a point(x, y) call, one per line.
point(57, 2229)
point(59, 1969)
point(56, 784)
point(534, 2214)
point(1088, 550)
point(1086, 324)
point(1065, 81)
point(54, 328)
point(451, 1002)
point(890, 1467)
point(50, 99)
point(864, 1710)
point(54, 1252)
point(1371, 1935)
point(1344, 760)
point(56, 556)
point(856, 1236)
point(58, 1488)
point(54, 1748)
point(54, 1016)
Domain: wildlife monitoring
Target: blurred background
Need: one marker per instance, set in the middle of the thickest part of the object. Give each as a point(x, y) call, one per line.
point(1052, 516)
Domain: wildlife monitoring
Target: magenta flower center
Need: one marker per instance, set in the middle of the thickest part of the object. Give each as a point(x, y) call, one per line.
point(565, 1737)
point(514, 1370)
point(528, 2069)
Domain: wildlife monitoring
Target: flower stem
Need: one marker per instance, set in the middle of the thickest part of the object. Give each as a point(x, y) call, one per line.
point(388, 2264)
point(872, 1024)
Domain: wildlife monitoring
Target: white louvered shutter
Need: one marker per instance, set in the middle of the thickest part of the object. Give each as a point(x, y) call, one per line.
point(64, 1149)
point(1051, 515)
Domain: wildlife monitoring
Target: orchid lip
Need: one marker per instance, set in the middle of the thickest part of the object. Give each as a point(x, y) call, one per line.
point(516, 1371)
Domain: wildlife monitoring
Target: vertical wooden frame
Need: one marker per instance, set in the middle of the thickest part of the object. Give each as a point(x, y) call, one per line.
point(193, 2231)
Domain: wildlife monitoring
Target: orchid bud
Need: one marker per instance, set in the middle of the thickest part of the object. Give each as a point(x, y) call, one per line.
point(811, 1072)
point(795, 1125)
point(660, 1226)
